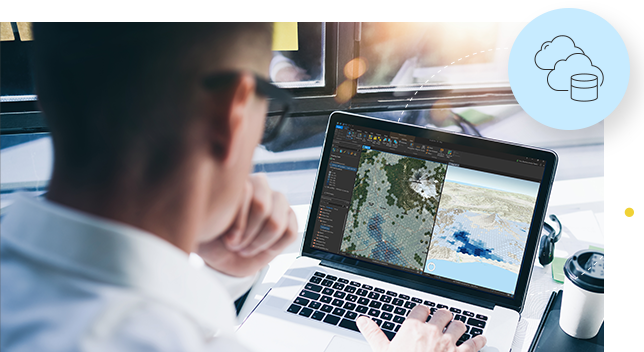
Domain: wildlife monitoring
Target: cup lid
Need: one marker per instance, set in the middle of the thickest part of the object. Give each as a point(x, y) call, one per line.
point(586, 270)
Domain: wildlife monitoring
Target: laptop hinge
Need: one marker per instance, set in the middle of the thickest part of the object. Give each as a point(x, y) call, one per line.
point(411, 284)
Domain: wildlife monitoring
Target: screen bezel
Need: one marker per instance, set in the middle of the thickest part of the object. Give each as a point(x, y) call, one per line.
point(516, 302)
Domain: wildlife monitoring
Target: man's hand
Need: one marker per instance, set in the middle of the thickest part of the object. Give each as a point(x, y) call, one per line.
point(417, 335)
point(264, 226)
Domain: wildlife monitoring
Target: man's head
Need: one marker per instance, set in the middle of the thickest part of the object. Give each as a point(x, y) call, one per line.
point(129, 112)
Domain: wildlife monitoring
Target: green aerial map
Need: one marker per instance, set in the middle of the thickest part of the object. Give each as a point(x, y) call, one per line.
point(393, 207)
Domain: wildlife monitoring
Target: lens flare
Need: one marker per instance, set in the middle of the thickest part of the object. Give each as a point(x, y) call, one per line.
point(355, 68)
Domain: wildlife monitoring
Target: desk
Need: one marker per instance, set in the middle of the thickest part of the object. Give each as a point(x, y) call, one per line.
point(572, 200)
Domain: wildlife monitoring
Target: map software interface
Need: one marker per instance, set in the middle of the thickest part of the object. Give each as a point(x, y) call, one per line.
point(441, 210)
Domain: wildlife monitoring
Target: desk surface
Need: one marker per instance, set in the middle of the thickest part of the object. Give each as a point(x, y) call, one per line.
point(579, 205)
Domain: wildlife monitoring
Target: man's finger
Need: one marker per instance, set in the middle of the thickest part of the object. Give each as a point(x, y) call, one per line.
point(440, 318)
point(455, 329)
point(273, 228)
point(375, 337)
point(473, 344)
point(234, 235)
point(420, 312)
point(261, 206)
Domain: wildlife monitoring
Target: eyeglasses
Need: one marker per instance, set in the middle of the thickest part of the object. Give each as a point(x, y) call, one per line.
point(280, 100)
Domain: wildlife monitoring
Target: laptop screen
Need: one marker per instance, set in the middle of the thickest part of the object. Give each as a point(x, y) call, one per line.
point(446, 211)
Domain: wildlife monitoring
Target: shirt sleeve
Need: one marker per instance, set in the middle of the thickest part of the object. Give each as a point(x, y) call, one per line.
point(235, 286)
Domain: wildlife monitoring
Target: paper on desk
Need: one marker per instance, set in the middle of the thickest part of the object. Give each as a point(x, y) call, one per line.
point(583, 226)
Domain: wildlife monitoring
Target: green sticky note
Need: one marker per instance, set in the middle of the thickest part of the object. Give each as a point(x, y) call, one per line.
point(557, 269)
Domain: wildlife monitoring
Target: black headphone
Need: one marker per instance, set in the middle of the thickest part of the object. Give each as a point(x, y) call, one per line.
point(547, 246)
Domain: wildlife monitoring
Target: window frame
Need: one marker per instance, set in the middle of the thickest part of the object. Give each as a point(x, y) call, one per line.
point(342, 44)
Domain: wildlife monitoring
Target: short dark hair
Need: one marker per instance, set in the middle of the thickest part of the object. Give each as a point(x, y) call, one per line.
point(111, 90)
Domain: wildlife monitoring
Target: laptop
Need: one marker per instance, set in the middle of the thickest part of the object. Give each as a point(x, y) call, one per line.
point(403, 215)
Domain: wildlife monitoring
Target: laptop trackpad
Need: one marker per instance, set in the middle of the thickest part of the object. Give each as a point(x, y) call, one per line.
point(343, 344)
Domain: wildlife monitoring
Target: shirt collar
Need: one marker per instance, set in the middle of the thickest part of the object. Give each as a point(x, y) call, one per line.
point(117, 254)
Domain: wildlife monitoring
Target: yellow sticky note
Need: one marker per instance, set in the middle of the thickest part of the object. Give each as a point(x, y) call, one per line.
point(285, 36)
point(24, 28)
point(6, 32)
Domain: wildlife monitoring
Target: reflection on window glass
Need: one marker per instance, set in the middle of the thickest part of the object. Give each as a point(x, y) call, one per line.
point(406, 55)
point(303, 67)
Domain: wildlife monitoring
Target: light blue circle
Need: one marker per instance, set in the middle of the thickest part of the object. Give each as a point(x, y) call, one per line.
point(545, 91)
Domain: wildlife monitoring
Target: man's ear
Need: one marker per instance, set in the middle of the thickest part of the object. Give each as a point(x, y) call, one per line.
point(228, 110)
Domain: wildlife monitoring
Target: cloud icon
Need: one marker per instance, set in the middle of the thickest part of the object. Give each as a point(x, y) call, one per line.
point(559, 48)
point(560, 77)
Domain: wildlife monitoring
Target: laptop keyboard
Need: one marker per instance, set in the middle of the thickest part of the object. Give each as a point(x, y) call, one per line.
point(338, 301)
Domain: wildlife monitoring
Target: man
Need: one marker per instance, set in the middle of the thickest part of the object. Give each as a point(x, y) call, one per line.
point(154, 128)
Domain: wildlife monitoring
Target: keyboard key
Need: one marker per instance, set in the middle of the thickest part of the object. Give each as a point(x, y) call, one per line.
point(327, 291)
point(319, 274)
point(397, 302)
point(377, 321)
point(331, 319)
point(362, 292)
point(315, 305)
point(481, 316)
point(367, 287)
point(390, 334)
point(455, 310)
point(318, 315)
point(475, 331)
point(387, 307)
point(363, 301)
point(439, 306)
point(331, 277)
point(309, 294)
point(388, 325)
point(460, 317)
point(398, 319)
point(294, 308)
point(400, 311)
point(337, 302)
point(410, 304)
point(351, 298)
point(373, 295)
point(397, 328)
point(391, 293)
point(475, 322)
point(362, 309)
point(327, 283)
point(313, 287)
point(327, 308)
point(349, 306)
point(349, 324)
point(344, 281)
point(379, 290)
point(386, 316)
point(429, 303)
point(339, 311)
point(417, 300)
point(339, 294)
point(403, 297)
point(326, 299)
point(375, 304)
point(467, 313)
point(301, 301)
point(315, 279)
point(351, 315)
point(350, 289)
point(338, 286)
point(373, 312)
point(306, 312)
point(385, 298)
point(356, 284)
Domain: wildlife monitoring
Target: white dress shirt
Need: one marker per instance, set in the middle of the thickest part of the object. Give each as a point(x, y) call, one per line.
point(71, 281)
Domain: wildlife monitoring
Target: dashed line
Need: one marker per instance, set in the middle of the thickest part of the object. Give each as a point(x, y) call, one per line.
point(439, 71)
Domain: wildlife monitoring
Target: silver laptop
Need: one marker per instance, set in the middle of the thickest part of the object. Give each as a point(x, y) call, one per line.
point(401, 216)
